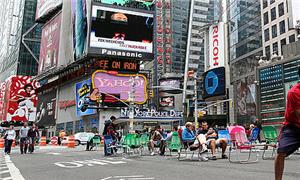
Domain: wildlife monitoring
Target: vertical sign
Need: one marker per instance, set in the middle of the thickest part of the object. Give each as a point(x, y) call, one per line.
point(159, 36)
point(168, 33)
point(83, 90)
point(216, 46)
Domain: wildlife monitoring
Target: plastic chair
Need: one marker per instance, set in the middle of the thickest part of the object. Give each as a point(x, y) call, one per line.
point(271, 137)
point(174, 144)
point(224, 134)
point(96, 142)
point(144, 140)
point(239, 142)
point(254, 135)
point(109, 145)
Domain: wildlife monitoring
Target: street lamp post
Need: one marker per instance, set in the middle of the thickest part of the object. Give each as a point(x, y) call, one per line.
point(131, 97)
point(196, 100)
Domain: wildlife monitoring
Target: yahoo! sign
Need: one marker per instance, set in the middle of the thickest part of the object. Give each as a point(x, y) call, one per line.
point(216, 46)
point(120, 85)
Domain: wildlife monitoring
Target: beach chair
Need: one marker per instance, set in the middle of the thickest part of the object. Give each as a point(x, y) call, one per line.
point(240, 142)
point(174, 144)
point(271, 137)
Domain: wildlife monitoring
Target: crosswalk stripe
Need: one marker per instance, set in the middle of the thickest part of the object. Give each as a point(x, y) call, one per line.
point(3, 172)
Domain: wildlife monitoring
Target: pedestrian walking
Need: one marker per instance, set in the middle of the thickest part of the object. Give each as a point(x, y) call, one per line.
point(23, 134)
point(33, 134)
point(289, 138)
point(10, 136)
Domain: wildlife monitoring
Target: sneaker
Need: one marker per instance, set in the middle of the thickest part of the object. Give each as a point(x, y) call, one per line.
point(213, 158)
point(202, 158)
point(224, 156)
point(152, 154)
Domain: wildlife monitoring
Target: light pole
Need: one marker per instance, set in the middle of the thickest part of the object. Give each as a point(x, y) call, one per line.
point(196, 100)
point(131, 97)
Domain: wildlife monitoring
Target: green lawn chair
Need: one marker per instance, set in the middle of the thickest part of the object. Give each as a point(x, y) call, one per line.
point(174, 144)
point(96, 142)
point(144, 140)
point(271, 136)
point(131, 142)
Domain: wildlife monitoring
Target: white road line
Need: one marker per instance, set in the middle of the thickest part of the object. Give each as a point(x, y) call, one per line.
point(6, 178)
point(14, 171)
point(141, 178)
point(3, 168)
point(106, 178)
point(3, 172)
point(132, 176)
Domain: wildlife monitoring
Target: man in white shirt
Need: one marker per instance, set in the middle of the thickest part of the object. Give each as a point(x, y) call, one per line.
point(10, 136)
point(23, 134)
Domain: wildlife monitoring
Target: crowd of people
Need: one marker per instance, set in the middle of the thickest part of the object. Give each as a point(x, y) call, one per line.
point(28, 136)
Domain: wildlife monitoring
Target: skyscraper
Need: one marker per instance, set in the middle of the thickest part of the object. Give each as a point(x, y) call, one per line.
point(17, 17)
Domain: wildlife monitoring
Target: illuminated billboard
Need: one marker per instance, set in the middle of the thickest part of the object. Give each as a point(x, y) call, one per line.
point(216, 45)
point(214, 83)
point(119, 85)
point(121, 33)
point(139, 4)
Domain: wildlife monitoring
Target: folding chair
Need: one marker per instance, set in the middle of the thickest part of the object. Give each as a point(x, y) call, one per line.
point(109, 144)
point(144, 140)
point(224, 134)
point(239, 142)
point(174, 144)
point(96, 142)
point(254, 135)
point(271, 137)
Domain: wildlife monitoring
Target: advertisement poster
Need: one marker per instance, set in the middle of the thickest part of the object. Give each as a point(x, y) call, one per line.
point(50, 44)
point(20, 99)
point(167, 101)
point(83, 90)
point(46, 7)
point(126, 34)
point(2, 101)
point(216, 46)
point(79, 22)
point(46, 109)
point(214, 83)
point(121, 85)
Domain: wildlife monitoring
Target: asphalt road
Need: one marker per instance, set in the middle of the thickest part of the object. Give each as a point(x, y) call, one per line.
point(73, 164)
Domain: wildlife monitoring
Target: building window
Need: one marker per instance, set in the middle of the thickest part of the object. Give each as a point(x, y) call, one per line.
point(275, 47)
point(272, 1)
point(280, 9)
point(266, 18)
point(274, 31)
point(292, 38)
point(267, 49)
point(265, 3)
point(273, 14)
point(282, 27)
point(282, 43)
point(267, 35)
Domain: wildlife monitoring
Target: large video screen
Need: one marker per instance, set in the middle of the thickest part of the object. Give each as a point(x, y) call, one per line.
point(139, 4)
point(121, 33)
point(214, 83)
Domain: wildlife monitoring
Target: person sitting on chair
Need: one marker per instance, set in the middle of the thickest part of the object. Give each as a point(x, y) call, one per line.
point(157, 140)
point(213, 141)
point(189, 137)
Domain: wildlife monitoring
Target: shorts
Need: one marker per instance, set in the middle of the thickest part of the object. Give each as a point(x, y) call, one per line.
point(218, 143)
point(289, 140)
point(156, 143)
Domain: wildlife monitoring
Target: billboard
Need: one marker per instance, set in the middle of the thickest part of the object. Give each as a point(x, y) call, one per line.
point(214, 83)
point(294, 16)
point(2, 102)
point(50, 44)
point(46, 8)
point(167, 101)
point(121, 86)
point(117, 65)
point(83, 90)
point(46, 109)
point(216, 46)
point(139, 4)
point(19, 99)
point(121, 33)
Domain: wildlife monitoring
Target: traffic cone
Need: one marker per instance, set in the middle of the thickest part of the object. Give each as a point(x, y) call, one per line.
point(1, 143)
point(71, 142)
point(43, 141)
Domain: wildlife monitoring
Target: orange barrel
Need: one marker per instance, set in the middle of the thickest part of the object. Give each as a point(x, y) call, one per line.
point(1, 143)
point(43, 141)
point(14, 143)
point(71, 142)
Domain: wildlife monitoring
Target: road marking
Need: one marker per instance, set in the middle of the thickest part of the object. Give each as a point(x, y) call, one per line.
point(53, 153)
point(132, 177)
point(3, 172)
point(14, 171)
point(92, 162)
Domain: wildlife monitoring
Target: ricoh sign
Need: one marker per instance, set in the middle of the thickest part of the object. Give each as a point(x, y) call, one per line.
point(216, 46)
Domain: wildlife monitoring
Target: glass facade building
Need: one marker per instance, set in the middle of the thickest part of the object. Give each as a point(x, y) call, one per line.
point(18, 16)
point(245, 42)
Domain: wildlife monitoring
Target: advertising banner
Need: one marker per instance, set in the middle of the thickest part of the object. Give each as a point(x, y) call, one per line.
point(117, 65)
point(121, 33)
point(139, 4)
point(216, 46)
point(20, 99)
point(121, 85)
point(46, 8)
point(2, 100)
point(46, 109)
point(50, 44)
point(167, 101)
point(214, 83)
point(83, 90)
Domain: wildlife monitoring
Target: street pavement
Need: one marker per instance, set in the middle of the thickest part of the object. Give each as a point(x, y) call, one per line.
point(59, 163)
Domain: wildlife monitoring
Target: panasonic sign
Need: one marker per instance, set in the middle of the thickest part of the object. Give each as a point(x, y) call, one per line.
point(121, 53)
point(216, 46)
